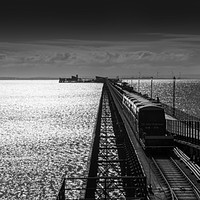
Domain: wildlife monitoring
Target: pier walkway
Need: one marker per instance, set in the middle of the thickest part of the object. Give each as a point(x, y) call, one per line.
point(118, 167)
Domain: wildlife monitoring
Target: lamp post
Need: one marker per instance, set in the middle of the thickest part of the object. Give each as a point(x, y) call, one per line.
point(151, 87)
point(174, 95)
point(139, 83)
point(131, 82)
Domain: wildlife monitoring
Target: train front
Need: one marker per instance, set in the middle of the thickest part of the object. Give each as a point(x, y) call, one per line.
point(152, 129)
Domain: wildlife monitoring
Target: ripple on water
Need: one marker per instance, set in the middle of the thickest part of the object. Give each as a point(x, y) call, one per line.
point(45, 132)
point(187, 93)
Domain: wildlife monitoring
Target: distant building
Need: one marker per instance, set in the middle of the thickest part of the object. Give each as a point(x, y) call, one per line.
point(73, 79)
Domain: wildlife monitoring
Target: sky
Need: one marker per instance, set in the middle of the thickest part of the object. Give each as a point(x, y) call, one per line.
point(104, 38)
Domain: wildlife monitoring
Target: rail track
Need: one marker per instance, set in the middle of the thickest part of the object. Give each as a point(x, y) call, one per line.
point(177, 184)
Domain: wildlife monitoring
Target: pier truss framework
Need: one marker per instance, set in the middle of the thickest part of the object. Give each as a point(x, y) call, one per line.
point(114, 170)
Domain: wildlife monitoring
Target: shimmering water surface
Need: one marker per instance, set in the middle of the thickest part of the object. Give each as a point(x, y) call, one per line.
point(187, 93)
point(45, 132)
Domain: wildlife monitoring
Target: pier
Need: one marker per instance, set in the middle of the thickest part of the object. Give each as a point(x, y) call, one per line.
point(119, 167)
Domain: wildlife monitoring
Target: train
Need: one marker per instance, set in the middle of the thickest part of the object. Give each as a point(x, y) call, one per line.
point(147, 119)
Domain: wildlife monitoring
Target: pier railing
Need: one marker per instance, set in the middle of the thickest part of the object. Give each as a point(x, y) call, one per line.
point(114, 170)
point(188, 131)
point(113, 187)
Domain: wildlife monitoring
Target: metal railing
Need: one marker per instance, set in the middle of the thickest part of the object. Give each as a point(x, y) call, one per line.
point(113, 168)
point(113, 188)
point(188, 131)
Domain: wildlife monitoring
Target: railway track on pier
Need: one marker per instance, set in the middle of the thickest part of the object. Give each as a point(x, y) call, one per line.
point(177, 184)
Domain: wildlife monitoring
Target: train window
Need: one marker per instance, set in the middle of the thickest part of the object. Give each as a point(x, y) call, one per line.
point(152, 116)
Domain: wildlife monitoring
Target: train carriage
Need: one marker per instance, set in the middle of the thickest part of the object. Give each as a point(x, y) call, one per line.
point(148, 122)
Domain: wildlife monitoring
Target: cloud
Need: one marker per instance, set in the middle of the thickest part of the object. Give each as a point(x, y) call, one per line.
point(94, 52)
point(107, 58)
point(60, 57)
point(113, 57)
point(3, 56)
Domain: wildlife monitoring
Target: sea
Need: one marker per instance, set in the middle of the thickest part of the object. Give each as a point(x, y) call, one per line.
point(45, 134)
point(46, 130)
point(187, 92)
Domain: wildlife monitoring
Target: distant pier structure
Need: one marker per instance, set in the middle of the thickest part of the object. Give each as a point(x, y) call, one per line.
point(76, 79)
point(73, 79)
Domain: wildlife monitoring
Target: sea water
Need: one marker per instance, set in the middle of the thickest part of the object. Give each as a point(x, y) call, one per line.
point(187, 92)
point(45, 133)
